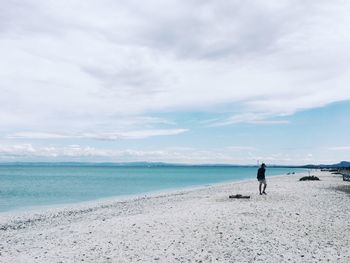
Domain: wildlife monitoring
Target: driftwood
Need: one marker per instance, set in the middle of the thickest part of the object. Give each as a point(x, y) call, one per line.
point(238, 196)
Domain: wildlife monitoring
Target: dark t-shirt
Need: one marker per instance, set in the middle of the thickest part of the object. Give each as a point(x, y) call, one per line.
point(261, 173)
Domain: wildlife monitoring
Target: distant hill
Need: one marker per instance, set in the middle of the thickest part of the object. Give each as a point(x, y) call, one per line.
point(344, 164)
point(120, 164)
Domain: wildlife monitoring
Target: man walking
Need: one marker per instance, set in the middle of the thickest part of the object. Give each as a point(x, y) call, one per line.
point(261, 178)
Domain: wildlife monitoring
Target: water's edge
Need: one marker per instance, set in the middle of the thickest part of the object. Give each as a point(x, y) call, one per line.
point(24, 188)
point(92, 205)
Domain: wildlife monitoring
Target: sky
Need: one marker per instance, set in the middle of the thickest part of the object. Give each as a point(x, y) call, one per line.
point(182, 81)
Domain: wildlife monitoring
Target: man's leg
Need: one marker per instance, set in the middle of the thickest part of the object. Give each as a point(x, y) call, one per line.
point(260, 183)
point(264, 188)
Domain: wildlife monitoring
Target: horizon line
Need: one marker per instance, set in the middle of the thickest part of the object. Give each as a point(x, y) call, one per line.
point(163, 163)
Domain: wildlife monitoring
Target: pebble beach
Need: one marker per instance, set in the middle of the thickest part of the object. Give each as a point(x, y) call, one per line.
point(296, 221)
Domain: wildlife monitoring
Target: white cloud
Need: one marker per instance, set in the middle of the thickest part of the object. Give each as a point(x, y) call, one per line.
point(252, 118)
point(339, 148)
point(25, 152)
point(229, 155)
point(68, 65)
point(241, 148)
point(141, 134)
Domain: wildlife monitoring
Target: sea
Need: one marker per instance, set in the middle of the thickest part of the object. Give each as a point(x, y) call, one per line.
point(29, 186)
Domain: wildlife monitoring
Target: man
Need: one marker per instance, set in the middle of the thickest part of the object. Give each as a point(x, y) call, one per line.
point(261, 178)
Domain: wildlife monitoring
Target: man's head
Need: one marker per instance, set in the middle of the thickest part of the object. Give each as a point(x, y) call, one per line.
point(263, 165)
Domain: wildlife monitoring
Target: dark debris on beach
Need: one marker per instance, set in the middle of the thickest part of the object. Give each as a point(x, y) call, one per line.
point(309, 178)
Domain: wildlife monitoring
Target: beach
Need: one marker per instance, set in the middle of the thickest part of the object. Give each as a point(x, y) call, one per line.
point(296, 221)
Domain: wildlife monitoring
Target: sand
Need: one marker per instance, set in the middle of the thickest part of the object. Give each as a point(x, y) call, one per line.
point(295, 222)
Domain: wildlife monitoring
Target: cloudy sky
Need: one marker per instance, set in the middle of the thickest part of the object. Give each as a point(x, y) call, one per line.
point(182, 81)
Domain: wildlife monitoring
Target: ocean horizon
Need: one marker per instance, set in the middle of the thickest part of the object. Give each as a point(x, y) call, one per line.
point(25, 186)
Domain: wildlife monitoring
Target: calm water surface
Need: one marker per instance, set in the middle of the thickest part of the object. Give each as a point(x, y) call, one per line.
point(24, 186)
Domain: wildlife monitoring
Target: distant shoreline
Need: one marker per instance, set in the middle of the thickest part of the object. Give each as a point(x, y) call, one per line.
point(161, 164)
point(342, 164)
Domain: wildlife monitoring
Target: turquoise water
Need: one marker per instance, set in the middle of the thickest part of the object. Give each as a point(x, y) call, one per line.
point(27, 186)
